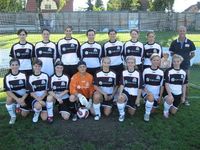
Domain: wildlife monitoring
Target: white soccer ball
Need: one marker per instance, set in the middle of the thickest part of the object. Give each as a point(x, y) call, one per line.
point(82, 113)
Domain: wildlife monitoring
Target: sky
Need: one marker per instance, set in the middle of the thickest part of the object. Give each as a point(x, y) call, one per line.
point(179, 5)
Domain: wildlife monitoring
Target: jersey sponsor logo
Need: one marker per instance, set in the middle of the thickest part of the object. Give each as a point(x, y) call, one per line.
point(54, 87)
point(128, 51)
point(18, 54)
point(86, 52)
point(172, 79)
point(118, 47)
point(11, 86)
point(95, 50)
point(182, 76)
point(100, 83)
point(27, 50)
point(109, 52)
point(43, 82)
point(62, 83)
point(147, 79)
point(49, 49)
point(110, 80)
point(40, 52)
point(158, 77)
point(155, 51)
point(78, 87)
point(125, 81)
point(64, 48)
point(21, 82)
point(134, 80)
point(72, 45)
point(137, 49)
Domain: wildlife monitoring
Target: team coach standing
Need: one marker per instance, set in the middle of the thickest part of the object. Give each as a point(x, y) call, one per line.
point(186, 48)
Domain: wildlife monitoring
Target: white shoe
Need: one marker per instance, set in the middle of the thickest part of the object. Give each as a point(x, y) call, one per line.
point(97, 117)
point(166, 114)
point(146, 117)
point(12, 120)
point(121, 118)
point(35, 117)
point(74, 118)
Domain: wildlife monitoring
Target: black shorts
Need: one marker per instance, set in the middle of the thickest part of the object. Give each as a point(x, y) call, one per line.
point(107, 103)
point(44, 108)
point(28, 102)
point(177, 100)
point(93, 71)
point(130, 100)
point(66, 106)
point(70, 70)
point(118, 70)
point(27, 72)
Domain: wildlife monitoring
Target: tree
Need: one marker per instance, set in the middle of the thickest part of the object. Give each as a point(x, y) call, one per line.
point(90, 5)
point(98, 5)
point(161, 5)
point(11, 5)
point(118, 5)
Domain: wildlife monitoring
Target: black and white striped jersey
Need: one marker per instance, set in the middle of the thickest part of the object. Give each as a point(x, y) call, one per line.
point(23, 52)
point(135, 49)
point(114, 50)
point(69, 51)
point(58, 84)
point(153, 80)
point(176, 79)
point(149, 49)
point(38, 83)
point(46, 52)
point(91, 53)
point(15, 83)
point(132, 81)
point(106, 81)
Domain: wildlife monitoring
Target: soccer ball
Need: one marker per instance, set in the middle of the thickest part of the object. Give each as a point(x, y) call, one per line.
point(82, 113)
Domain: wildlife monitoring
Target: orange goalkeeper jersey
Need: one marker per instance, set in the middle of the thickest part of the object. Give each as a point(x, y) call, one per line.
point(82, 84)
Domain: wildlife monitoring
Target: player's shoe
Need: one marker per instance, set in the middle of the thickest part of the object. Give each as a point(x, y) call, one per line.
point(12, 120)
point(97, 117)
point(121, 118)
point(74, 118)
point(166, 114)
point(50, 119)
point(36, 117)
point(146, 117)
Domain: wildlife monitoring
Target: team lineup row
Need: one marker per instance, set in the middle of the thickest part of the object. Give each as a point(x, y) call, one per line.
point(68, 51)
point(83, 93)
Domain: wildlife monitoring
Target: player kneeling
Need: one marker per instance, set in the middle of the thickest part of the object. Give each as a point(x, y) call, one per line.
point(38, 85)
point(58, 91)
point(81, 88)
point(15, 84)
point(153, 85)
point(175, 84)
point(105, 85)
point(130, 89)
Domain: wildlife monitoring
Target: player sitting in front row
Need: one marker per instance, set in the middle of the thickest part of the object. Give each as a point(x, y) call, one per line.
point(58, 91)
point(130, 89)
point(15, 86)
point(105, 85)
point(175, 84)
point(81, 87)
point(38, 86)
point(153, 85)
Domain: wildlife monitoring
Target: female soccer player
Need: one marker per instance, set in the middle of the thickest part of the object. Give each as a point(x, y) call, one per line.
point(23, 51)
point(46, 52)
point(151, 47)
point(15, 84)
point(38, 86)
point(81, 87)
point(130, 89)
point(105, 86)
point(59, 91)
point(134, 48)
point(114, 50)
point(153, 85)
point(91, 52)
point(175, 84)
point(69, 52)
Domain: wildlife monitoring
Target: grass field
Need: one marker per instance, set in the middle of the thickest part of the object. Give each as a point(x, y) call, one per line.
point(178, 132)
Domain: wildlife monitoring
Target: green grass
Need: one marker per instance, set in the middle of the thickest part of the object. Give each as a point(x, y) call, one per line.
point(178, 132)
point(164, 38)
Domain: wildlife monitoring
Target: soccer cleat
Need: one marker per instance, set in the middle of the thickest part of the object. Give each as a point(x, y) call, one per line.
point(166, 114)
point(97, 117)
point(36, 117)
point(12, 120)
point(186, 103)
point(121, 118)
point(50, 119)
point(146, 117)
point(75, 117)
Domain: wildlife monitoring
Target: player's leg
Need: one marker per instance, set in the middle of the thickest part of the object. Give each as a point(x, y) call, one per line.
point(74, 99)
point(37, 108)
point(176, 103)
point(121, 103)
point(49, 105)
point(168, 103)
point(10, 106)
point(131, 105)
point(65, 109)
point(148, 106)
point(97, 98)
point(25, 109)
